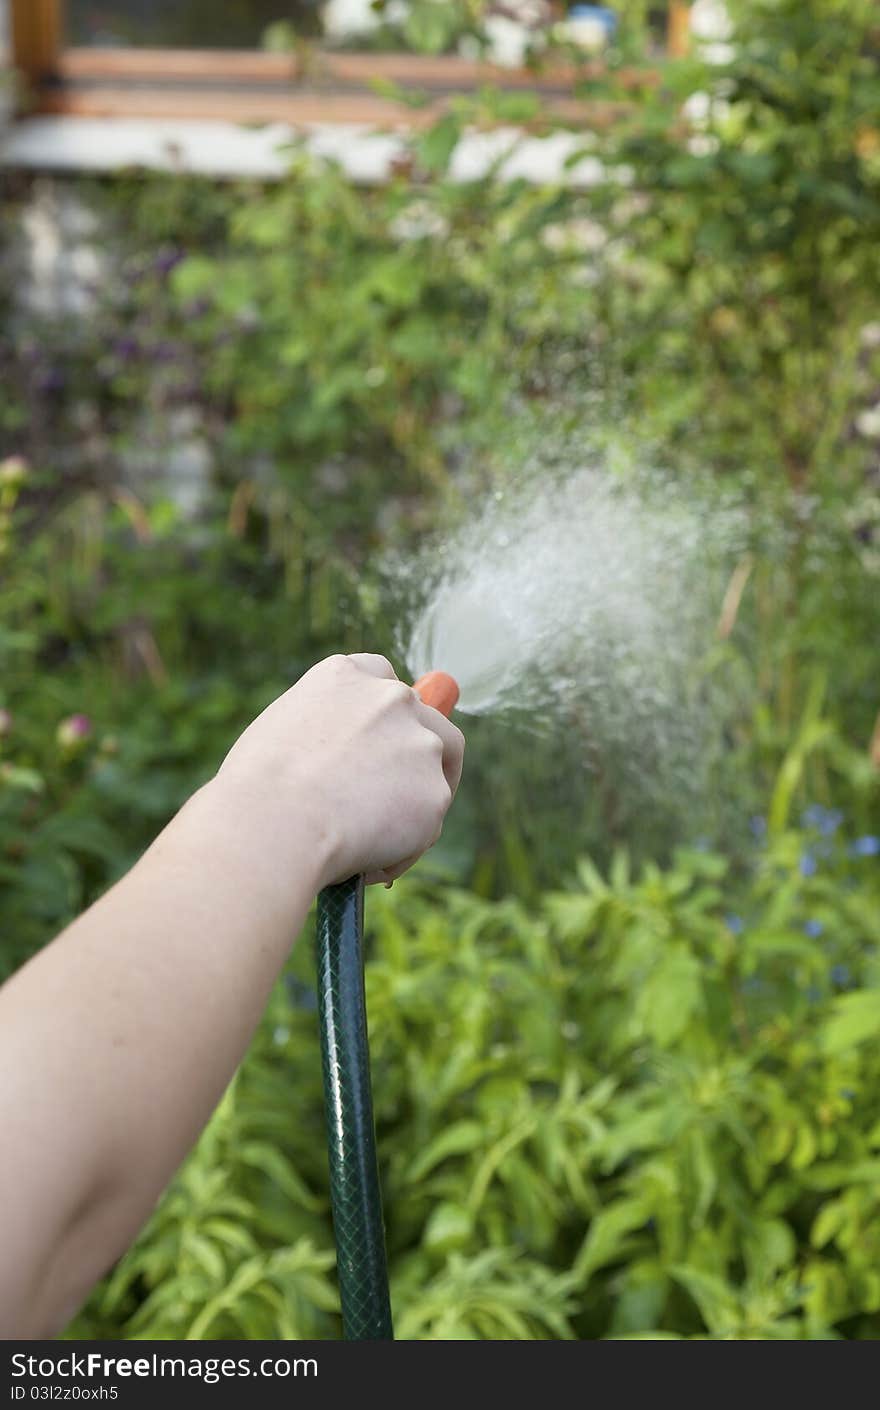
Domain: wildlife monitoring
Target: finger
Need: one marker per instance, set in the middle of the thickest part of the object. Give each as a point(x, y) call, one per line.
point(374, 665)
point(452, 739)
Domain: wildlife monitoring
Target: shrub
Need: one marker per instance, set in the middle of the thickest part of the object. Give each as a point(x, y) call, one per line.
point(629, 1112)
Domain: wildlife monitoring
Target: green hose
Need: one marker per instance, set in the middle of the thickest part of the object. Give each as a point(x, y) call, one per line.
point(355, 1196)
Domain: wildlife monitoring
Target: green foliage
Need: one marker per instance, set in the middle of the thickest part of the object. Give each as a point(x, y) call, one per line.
point(637, 1104)
point(755, 258)
point(628, 1113)
point(448, 295)
point(159, 705)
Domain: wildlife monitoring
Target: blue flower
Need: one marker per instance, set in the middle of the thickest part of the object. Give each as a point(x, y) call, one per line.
point(754, 985)
point(865, 847)
point(735, 924)
point(758, 826)
point(302, 995)
point(824, 820)
point(808, 864)
point(813, 928)
point(840, 975)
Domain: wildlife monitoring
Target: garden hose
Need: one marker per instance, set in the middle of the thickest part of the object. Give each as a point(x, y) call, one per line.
point(355, 1196)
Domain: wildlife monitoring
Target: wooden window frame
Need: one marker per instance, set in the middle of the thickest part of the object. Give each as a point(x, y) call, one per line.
point(252, 86)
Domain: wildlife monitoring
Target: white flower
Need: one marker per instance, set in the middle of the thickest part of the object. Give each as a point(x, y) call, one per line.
point(418, 221)
point(868, 423)
point(871, 335)
point(13, 471)
point(508, 41)
point(581, 234)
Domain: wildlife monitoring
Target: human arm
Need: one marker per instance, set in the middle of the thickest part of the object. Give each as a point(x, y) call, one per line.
point(118, 1039)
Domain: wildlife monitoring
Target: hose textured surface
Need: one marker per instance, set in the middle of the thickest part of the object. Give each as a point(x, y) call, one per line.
point(351, 1140)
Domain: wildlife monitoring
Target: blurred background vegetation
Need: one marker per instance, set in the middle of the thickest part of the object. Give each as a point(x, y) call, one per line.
point(626, 1060)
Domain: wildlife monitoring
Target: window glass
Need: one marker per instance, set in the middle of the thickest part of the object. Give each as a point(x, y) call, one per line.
point(184, 24)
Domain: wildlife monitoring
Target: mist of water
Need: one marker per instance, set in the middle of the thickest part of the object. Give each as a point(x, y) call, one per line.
point(580, 596)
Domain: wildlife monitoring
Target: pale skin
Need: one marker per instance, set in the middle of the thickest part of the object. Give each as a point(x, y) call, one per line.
point(118, 1039)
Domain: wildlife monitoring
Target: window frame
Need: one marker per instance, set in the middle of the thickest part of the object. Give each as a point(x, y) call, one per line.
point(254, 86)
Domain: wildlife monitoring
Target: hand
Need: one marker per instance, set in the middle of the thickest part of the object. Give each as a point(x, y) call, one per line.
point(351, 751)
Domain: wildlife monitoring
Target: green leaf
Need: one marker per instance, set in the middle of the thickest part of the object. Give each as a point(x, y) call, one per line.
point(609, 1236)
point(828, 1222)
point(13, 776)
point(854, 1019)
point(718, 1304)
point(205, 1255)
point(458, 1139)
point(435, 147)
point(449, 1227)
point(194, 276)
point(670, 996)
point(272, 1163)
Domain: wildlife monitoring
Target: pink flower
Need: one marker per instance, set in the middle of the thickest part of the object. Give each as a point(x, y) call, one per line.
point(73, 732)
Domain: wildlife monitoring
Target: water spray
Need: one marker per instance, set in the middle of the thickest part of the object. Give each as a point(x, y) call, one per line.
point(355, 1194)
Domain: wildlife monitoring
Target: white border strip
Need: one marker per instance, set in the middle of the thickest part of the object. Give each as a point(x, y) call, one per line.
point(227, 150)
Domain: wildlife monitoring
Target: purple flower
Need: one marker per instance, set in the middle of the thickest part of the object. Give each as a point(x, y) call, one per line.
point(50, 380)
point(73, 732)
point(166, 260)
point(865, 847)
point(126, 348)
point(196, 308)
point(164, 352)
point(808, 864)
point(735, 924)
point(185, 391)
point(813, 928)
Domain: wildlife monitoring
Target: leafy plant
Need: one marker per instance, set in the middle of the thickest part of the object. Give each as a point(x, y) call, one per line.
point(631, 1112)
point(626, 1072)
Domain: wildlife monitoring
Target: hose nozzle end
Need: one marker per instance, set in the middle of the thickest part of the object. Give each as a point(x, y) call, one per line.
point(439, 689)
